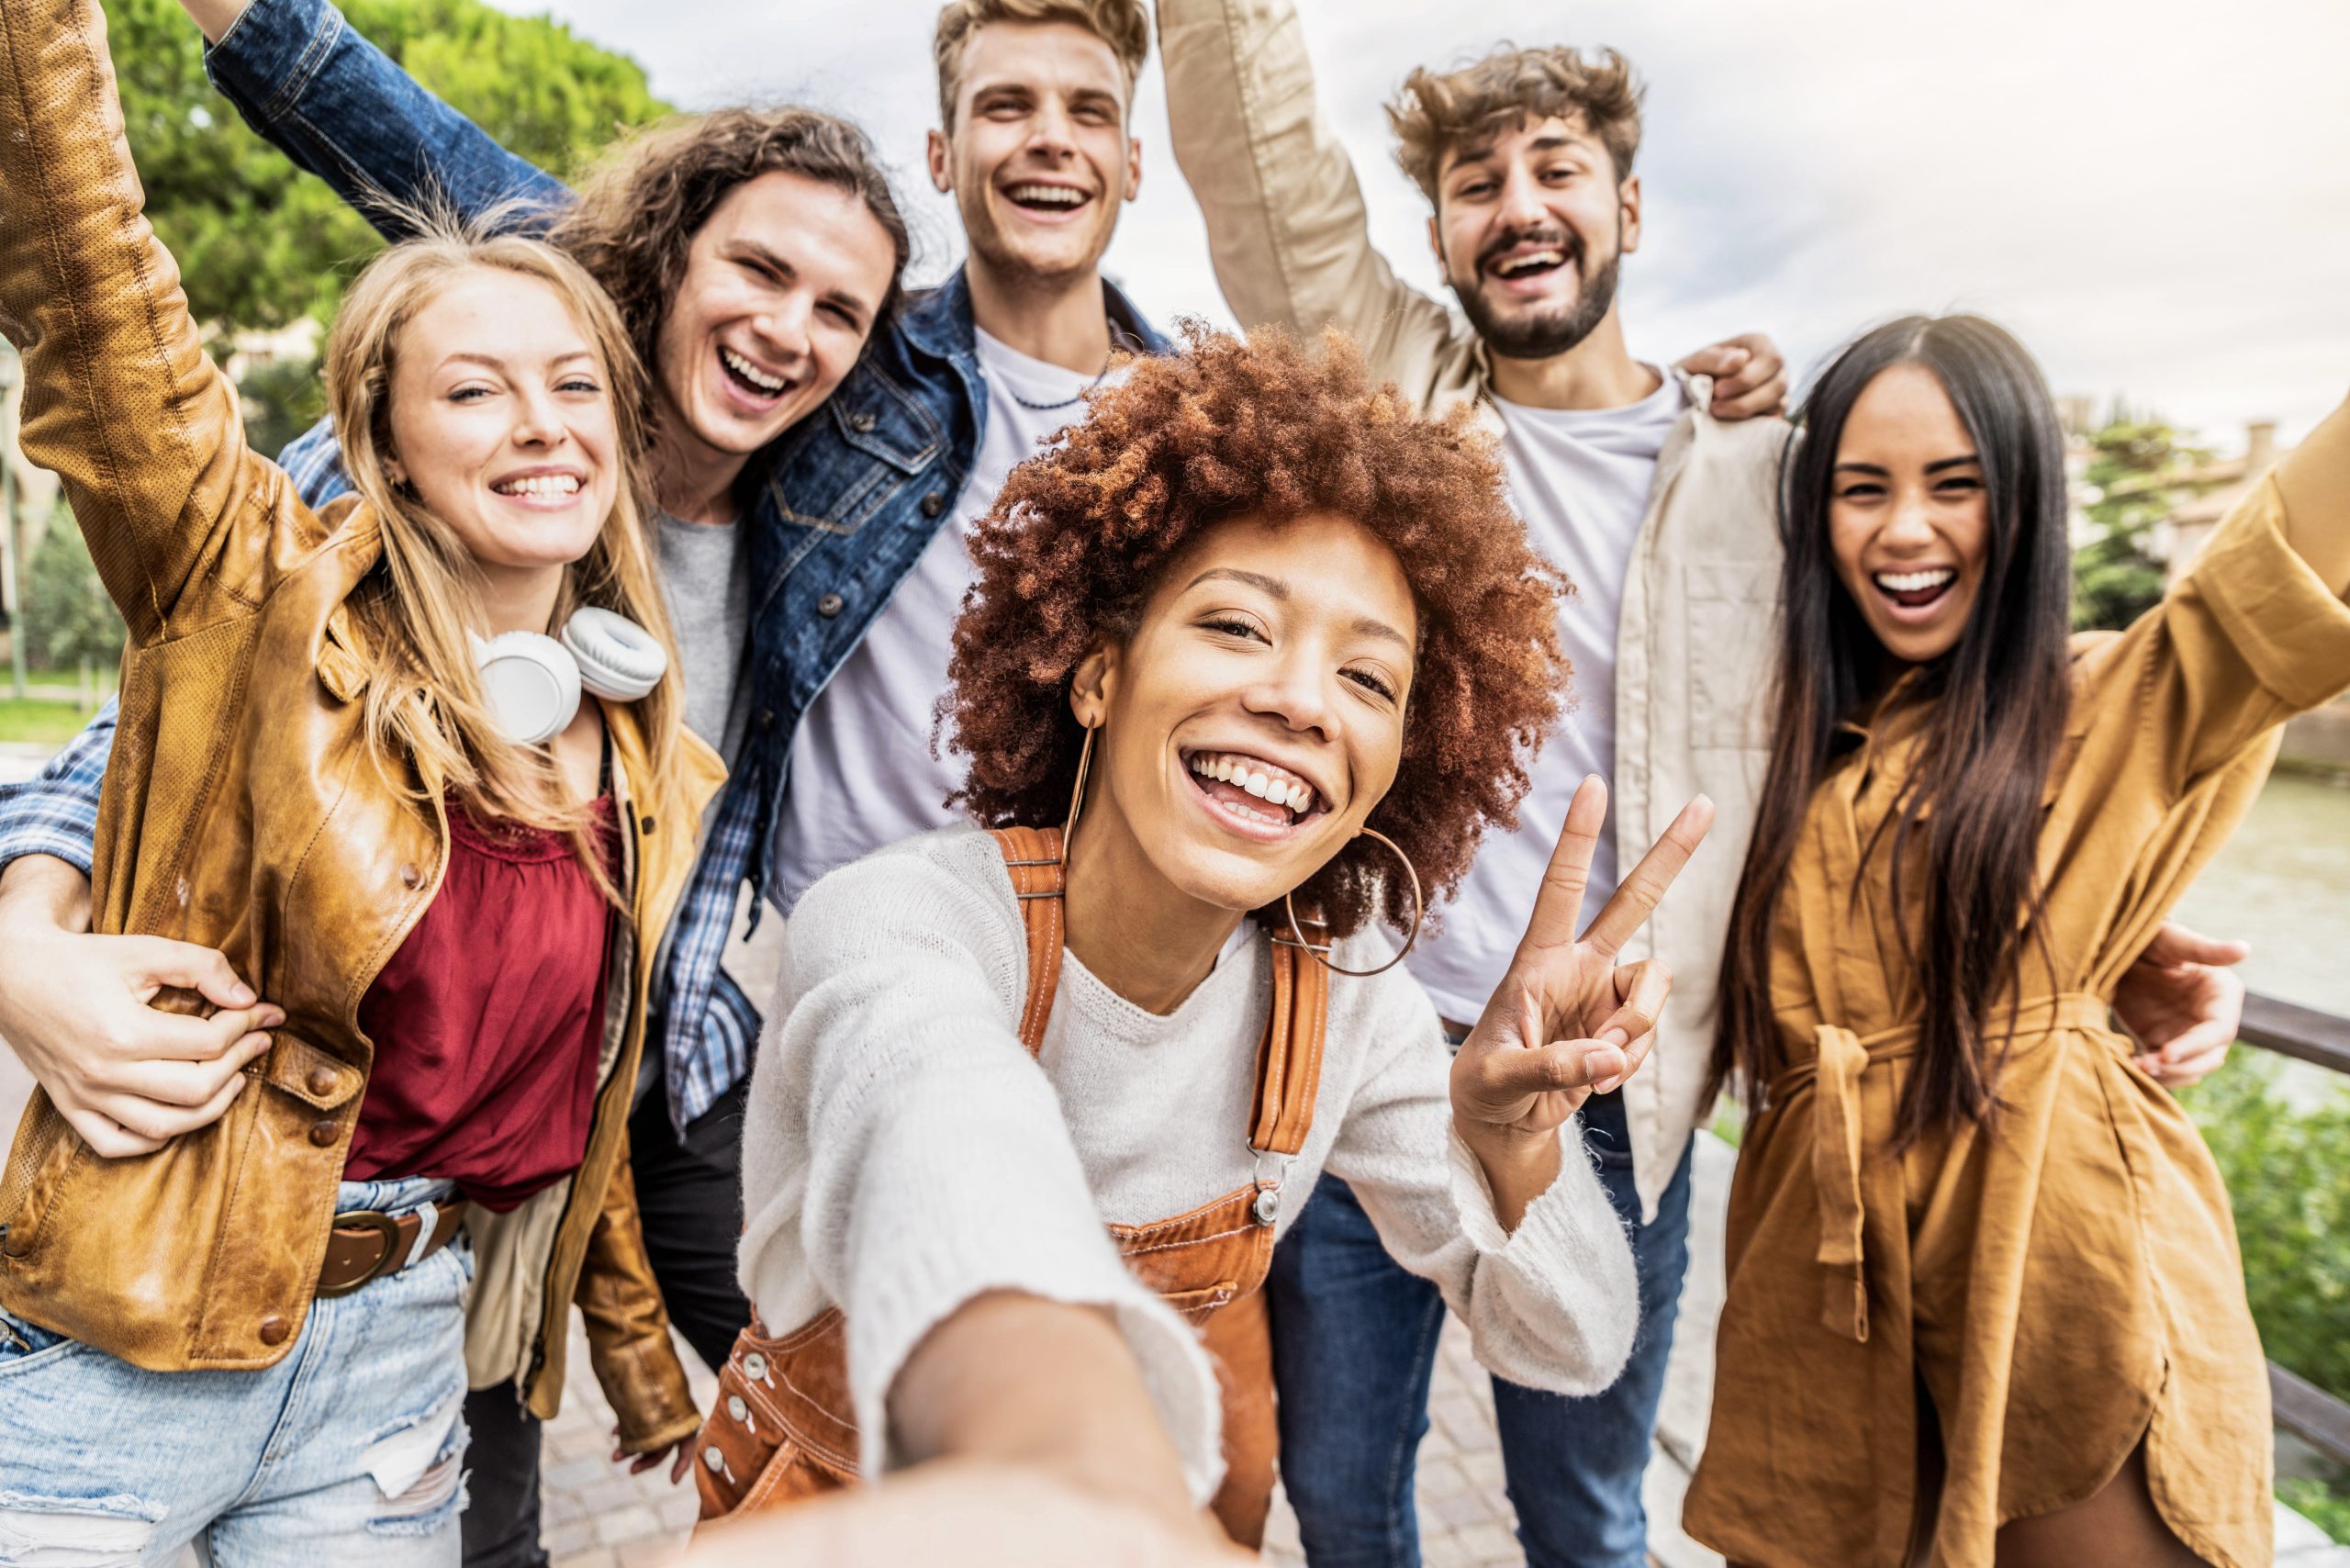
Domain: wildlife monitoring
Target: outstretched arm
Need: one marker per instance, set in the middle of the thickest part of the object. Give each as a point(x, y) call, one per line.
point(340, 108)
point(120, 401)
point(1286, 223)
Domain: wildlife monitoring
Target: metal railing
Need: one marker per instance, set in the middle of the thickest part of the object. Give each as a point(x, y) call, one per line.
point(2299, 1406)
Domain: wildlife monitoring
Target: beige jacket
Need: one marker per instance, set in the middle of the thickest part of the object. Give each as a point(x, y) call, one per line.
point(1291, 245)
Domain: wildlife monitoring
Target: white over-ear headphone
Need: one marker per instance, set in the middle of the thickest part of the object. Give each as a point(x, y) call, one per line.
point(532, 682)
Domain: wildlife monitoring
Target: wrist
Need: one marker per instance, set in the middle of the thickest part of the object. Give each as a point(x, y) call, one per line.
point(42, 895)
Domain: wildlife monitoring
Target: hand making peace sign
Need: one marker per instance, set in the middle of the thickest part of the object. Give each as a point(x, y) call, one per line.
point(1568, 1020)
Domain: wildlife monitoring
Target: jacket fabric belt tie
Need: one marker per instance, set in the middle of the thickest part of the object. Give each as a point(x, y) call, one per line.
point(1849, 1185)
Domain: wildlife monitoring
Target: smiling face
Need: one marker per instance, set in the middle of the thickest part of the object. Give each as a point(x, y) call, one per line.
point(1908, 515)
point(501, 418)
point(781, 288)
point(1530, 228)
point(1256, 715)
point(1036, 154)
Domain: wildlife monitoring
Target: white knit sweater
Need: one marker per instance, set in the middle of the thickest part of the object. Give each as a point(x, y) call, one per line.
point(903, 1154)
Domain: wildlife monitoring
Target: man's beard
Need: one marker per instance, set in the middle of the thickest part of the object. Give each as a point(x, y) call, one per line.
point(1540, 334)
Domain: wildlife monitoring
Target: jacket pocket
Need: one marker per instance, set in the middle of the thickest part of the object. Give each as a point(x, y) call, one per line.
point(1733, 608)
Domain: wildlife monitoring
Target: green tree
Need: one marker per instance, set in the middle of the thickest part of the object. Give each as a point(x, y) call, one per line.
point(260, 243)
point(2133, 468)
point(67, 615)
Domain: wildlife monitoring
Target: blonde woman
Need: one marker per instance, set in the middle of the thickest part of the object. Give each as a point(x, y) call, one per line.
point(352, 759)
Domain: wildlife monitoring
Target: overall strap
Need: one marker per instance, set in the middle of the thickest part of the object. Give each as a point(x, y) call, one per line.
point(1033, 855)
point(1289, 1059)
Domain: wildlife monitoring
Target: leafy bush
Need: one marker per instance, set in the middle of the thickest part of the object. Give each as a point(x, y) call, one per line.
point(67, 615)
point(2327, 1508)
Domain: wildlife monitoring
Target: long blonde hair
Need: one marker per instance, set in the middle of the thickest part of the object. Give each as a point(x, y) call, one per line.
point(427, 723)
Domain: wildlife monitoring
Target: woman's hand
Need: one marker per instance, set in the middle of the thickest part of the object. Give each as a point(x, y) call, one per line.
point(1568, 1020)
point(680, 1455)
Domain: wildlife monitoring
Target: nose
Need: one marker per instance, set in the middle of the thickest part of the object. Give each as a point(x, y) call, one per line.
point(1521, 201)
point(1910, 526)
point(1050, 134)
point(539, 421)
point(1295, 689)
point(782, 328)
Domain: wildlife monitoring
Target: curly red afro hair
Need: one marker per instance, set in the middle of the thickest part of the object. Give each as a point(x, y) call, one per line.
point(1268, 428)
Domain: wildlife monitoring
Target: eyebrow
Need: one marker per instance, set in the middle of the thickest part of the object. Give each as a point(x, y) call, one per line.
point(752, 250)
point(1274, 589)
point(492, 362)
point(1478, 152)
point(1936, 466)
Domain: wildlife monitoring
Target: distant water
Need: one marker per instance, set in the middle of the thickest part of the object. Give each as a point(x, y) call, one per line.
point(2283, 884)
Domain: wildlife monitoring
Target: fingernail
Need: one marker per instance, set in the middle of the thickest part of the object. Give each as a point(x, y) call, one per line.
point(240, 995)
point(272, 1017)
point(1615, 1036)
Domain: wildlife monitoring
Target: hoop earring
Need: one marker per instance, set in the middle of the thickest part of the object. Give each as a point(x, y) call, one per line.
point(1321, 951)
point(1076, 794)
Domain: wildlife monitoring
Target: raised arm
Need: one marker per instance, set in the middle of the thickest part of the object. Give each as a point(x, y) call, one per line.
point(120, 401)
point(335, 104)
point(1287, 228)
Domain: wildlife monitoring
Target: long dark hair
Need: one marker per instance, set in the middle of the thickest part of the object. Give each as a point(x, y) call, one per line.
point(2001, 696)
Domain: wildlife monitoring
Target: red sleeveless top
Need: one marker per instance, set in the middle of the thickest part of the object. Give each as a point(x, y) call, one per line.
point(489, 1020)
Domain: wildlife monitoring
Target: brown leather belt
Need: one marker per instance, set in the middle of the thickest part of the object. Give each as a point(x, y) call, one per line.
point(366, 1244)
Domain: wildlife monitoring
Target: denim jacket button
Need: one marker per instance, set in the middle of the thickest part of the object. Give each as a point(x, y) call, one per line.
point(861, 423)
point(829, 605)
point(933, 503)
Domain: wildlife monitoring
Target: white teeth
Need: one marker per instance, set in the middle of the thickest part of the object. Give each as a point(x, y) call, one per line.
point(751, 373)
point(546, 484)
point(1516, 265)
point(1914, 582)
point(1051, 195)
point(1260, 780)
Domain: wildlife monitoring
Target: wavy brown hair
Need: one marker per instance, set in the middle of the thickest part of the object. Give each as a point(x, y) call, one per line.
point(1438, 113)
point(1266, 427)
point(639, 210)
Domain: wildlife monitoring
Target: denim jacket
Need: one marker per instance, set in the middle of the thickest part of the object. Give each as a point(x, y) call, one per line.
point(847, 499)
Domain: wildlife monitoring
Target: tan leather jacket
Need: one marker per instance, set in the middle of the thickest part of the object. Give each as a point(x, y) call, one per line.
point(1291, 240)
point(240, 813)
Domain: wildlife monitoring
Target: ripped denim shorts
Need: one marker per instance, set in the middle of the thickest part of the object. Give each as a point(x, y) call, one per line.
point(348, 1451)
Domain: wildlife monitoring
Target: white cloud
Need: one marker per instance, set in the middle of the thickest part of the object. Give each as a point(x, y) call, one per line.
point(2154, 194)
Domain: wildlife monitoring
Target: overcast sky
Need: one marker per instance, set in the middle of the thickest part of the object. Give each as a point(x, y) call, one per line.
point(2154, 195)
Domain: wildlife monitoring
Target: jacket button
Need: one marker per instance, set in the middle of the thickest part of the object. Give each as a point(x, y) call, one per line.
point(273, 1329)
point(829, 605)
point(754, 1365)
point(321, 1080)
point(646, 825)
point(410, 876)
point(862, 423)
point(322, 1134)
point(933, 503)
point(712, 1457)
point(736, 1408)
point(766, 718)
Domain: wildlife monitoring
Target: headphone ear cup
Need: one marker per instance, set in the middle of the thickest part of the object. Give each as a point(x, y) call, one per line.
point(531, 684)
point(617, 658)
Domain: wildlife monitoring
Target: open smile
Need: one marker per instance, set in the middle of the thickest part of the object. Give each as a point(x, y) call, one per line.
point(1253, 797)
point(1526, 268)
point(541, 490)
point(752, 384)
point(1914, 596)
point(1047, 201)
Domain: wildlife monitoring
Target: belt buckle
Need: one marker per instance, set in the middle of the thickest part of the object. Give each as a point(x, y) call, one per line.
point(384, 1225)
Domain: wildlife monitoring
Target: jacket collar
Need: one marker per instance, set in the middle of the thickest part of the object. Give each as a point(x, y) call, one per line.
point(938, 322)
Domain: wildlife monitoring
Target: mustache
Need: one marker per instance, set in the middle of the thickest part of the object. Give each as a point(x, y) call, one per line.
point(1554, 238)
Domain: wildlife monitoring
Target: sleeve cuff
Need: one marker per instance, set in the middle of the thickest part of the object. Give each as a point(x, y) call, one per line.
point(270, 51)
point(2289, 627)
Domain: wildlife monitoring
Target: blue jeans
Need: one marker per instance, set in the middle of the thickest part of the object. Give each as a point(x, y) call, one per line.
point(1354, 1347)
point(346, 1452)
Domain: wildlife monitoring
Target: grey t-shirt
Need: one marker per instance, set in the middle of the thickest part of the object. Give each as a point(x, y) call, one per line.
point(709, 608)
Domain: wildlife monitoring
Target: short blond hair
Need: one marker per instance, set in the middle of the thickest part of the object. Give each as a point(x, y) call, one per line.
point(1123, 24)
point(1438, 113)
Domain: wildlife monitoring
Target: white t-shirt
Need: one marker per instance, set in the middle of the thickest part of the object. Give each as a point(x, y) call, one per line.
point(863, 773)
point(1580, 480)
